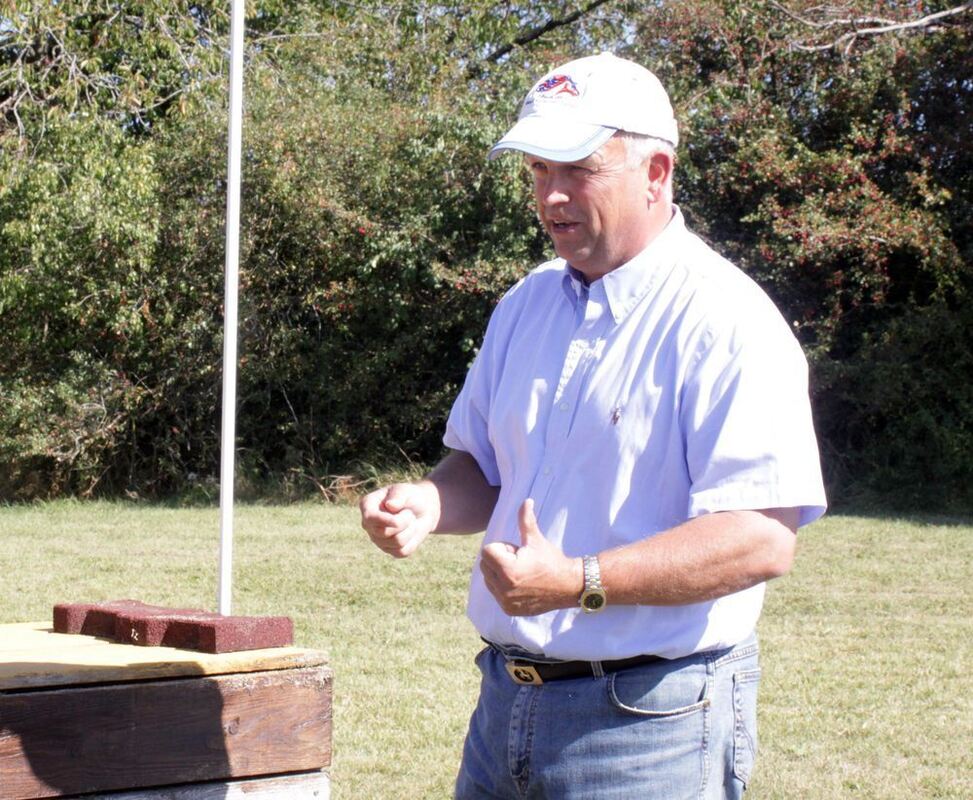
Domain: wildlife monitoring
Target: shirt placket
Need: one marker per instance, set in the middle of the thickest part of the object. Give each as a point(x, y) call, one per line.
point(591, 317)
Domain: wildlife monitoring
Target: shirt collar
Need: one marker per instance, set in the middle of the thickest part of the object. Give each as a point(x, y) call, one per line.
point(626, 285)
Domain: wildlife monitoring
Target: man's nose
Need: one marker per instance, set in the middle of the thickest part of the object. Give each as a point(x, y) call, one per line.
point(553, 192)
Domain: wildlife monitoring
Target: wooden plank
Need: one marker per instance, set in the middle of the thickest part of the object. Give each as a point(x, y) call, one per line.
point(305, 786)
point(153, 733)
point(35, 636)
point(33, 656)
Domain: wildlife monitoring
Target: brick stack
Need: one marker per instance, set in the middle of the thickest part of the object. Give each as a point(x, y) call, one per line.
point(133, 622)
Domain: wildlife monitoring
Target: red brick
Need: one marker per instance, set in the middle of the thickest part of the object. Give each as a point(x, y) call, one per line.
point(147, 626)
point(229, 634)
point(133, 622)
point(92, 619)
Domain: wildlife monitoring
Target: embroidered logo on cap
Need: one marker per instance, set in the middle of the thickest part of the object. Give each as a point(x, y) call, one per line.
point(557, 85)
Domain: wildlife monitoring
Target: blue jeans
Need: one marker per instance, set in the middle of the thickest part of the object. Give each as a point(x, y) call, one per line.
point(666, 730)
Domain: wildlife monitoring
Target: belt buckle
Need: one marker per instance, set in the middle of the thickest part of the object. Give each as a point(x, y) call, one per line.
point(524, 674)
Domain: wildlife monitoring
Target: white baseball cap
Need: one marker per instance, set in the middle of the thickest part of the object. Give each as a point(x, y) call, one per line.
point(574, 109)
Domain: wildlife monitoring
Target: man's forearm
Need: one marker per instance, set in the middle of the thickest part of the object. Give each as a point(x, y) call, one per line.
point(702, 559)
point(466, 499)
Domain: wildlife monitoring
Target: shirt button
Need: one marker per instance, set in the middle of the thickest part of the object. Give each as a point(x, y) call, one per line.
point(547, 470)
point(563, 406)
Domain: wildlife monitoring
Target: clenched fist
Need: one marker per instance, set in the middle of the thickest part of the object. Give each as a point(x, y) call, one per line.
point(399, 517)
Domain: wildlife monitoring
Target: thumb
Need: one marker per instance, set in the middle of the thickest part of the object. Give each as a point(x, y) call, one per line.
point(499, 551)
point(397, 497)
point(529, 532)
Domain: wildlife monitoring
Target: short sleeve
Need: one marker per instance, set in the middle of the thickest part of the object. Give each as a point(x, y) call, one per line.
point(746, 417)
point(467, 428)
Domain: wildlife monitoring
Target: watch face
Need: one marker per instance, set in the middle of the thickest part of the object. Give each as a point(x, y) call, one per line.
point(593, 601)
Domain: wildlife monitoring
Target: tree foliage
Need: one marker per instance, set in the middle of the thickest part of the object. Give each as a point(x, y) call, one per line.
point(826, 150)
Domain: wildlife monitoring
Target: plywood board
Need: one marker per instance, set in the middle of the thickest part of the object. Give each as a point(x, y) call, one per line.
point(33, 656)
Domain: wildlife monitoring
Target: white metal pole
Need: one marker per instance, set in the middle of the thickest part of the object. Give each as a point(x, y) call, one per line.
point(232, 279)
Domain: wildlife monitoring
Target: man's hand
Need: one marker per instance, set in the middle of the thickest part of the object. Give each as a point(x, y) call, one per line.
point(533, 578)
point(399, 517)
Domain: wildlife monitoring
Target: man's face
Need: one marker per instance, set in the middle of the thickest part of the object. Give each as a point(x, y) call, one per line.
point(595, 210)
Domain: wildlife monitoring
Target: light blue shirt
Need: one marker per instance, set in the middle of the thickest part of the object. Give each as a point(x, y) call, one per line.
point(670, 388)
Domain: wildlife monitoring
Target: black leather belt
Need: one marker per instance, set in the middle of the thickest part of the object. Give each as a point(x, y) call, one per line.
point(534, 673)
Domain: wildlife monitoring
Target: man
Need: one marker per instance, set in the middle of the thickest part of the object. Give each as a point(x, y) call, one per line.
point(635, 437)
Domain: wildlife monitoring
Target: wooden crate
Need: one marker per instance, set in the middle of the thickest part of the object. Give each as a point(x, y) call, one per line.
point(299, 786)
point(79, 714)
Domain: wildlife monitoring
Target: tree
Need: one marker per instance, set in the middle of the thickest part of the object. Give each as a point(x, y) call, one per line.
point(825, 150)
point(833, 165)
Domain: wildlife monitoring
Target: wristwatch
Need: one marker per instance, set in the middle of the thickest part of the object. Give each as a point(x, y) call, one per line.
point(593, 597)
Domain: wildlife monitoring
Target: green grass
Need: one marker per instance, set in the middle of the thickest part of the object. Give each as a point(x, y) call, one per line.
point(867, 645)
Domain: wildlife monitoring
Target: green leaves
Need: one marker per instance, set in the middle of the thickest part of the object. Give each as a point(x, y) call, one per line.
point(835, 179)
point(376, 238)
point(130, 61)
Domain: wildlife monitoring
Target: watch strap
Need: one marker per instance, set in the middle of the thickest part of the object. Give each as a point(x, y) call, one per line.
point(592, 573)
point(593, 597)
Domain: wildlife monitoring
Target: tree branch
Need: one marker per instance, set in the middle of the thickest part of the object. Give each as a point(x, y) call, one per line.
point(540, 30)
point(830, 23)
point(879, 26)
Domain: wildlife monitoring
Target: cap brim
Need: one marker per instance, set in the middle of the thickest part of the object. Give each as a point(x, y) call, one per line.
point(552, 138)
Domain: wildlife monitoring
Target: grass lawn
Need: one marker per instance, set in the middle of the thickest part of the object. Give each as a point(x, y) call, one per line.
point(867, 687)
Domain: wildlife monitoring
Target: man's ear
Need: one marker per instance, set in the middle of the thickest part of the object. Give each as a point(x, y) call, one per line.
point(660, 173)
